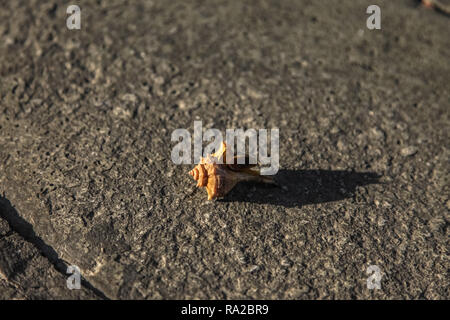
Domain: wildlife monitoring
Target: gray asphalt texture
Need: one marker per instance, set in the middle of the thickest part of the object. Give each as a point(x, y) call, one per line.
point(86, 177)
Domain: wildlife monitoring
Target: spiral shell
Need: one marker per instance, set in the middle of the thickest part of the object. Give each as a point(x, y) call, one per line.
point(200, 174)
point(219, 178)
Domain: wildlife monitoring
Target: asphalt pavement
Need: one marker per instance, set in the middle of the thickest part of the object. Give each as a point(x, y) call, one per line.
point(87, 179)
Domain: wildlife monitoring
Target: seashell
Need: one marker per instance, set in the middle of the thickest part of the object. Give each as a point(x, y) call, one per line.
point(219, 177)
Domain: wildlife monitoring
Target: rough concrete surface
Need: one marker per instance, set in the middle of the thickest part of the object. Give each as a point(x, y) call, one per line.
point(86, 176)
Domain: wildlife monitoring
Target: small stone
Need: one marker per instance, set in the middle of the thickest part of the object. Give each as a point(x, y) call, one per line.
point(340, 145)
point(334, 130)
point(409, 151)
point(285, 262)
point(324, 122)
point(182, 105)
point(122, 113)
point(252, 268)
point(377, 134)
point(386, 204)
point(254, 94)
point(129, 97)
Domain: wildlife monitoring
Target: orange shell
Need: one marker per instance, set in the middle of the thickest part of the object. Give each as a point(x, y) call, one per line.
point(199, 173)
point(217, 179)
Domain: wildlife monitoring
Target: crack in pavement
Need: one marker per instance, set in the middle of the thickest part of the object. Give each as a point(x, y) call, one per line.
point(26, 231)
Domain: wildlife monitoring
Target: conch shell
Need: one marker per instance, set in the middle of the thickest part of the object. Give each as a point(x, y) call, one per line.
point(219, 177)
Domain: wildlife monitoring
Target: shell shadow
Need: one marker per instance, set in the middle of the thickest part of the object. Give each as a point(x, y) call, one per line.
point(301, 187)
